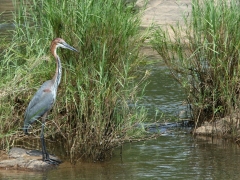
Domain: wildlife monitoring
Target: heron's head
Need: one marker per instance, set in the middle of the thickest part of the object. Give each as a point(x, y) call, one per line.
point(58, 42)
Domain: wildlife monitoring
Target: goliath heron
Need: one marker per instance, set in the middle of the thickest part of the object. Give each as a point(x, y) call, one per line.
point(42, 102)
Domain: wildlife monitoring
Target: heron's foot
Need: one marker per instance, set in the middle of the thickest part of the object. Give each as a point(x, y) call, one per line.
point(52, 161)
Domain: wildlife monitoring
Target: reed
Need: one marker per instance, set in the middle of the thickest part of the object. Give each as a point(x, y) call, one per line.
point(203, 56)
point(92, 113)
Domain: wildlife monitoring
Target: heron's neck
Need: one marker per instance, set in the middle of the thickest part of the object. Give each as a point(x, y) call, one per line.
point(58, 74)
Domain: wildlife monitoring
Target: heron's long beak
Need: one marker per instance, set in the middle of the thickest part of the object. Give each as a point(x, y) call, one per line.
point(70, 47)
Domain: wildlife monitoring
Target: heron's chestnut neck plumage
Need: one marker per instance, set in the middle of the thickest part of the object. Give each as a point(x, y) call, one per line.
point(57, 77)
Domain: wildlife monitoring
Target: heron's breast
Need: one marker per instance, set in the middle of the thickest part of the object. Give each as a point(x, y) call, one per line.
point(47, 90)
point(54, 92)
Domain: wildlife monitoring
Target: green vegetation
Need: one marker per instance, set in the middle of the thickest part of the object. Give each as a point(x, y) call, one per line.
point(203, 55)
point(92, 113)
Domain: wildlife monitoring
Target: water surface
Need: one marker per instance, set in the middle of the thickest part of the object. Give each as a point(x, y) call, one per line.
point(176, 155)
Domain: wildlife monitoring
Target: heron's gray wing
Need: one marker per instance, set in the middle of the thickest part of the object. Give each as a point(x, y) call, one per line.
point(41, 102)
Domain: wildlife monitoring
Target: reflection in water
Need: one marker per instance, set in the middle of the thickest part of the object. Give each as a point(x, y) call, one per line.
point(174, 156)
point(219, 158)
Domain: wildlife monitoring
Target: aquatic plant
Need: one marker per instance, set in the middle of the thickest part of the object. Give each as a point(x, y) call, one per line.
point(203, 55)
point(92, 113)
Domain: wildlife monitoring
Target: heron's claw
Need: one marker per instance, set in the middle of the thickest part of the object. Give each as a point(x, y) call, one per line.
point(52, 161)
point(49, 160)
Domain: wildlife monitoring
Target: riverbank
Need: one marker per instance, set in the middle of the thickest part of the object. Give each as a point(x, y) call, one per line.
point(164, 13)
point(19, 159)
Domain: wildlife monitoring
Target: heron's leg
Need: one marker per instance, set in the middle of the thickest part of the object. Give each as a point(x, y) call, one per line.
point(45, 155)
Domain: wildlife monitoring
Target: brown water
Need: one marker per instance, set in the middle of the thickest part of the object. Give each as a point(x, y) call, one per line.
point(174, 155)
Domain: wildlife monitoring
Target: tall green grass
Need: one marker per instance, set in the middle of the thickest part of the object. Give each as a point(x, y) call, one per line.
point(203, 55)
point(92, 113)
